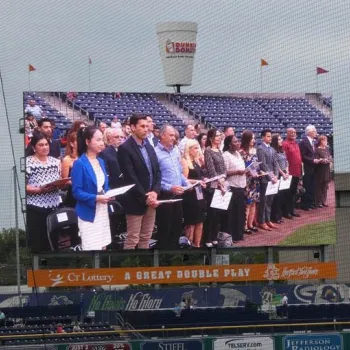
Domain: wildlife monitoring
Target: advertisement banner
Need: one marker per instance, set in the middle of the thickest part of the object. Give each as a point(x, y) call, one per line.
point(324, 341)
point(180, 274)
point(95, 346)
point(177, 344)
point(246, 343)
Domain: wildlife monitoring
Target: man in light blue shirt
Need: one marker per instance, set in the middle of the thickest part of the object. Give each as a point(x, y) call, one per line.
point(169, 215)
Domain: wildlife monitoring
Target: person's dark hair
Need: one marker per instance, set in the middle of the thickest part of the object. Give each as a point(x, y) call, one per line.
point(199, 138)
point(42, 121)
point(265, 131)
point(156, 127)
point(211, 134)
point(274, 143)
point(134, 119)
point(227, 127)
point(246, 138)
point(227, 142)
point(37, 136)
point(197, 127)
point(83, 135)
point(77, 125)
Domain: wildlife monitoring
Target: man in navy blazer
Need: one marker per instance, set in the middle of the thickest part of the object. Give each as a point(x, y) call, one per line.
point(114, 138)
point(307, 150)
point(139, 165)
point(268, 165)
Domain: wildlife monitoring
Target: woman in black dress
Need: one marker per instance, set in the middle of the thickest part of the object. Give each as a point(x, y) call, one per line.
point(322, 172)
point(193, 200)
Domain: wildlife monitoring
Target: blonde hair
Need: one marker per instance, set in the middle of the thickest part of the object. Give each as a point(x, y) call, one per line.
point(190, 143)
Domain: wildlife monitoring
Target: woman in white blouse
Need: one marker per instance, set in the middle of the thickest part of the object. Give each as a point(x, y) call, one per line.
point(42, 199)
point(236, 179)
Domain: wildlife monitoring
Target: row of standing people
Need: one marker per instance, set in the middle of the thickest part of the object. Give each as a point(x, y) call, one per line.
point(158, 173)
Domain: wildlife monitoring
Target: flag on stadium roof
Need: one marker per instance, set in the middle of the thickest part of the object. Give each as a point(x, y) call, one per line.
point(31, 68)
point(90, 60)
point(263, 63)
point(320, 70)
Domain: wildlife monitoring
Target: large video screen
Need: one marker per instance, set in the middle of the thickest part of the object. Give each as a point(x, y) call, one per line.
point(125, 171)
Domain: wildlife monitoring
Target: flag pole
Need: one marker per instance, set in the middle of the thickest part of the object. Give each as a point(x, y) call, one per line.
point(261, 82)
point(28, 80)
point(316, 83)
point(89, 62)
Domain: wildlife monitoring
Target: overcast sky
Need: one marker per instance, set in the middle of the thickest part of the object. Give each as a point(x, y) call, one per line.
point(57, 37)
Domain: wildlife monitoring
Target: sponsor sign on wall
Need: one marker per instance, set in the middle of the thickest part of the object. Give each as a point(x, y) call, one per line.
point(324, 341)
point(177, 344)
point(180, 274)
point(246, 343)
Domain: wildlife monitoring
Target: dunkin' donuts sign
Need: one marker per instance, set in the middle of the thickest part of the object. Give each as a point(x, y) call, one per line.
point(175, 47)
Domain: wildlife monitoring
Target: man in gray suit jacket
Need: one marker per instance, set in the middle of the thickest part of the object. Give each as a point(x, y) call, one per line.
point(268, 165)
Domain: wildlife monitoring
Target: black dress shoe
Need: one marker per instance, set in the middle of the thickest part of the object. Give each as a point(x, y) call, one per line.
point(296, 215)
point(248, 232)
point(325, 205)
point(313, 207)
point(289, 216)
point(306, 209)
point(319, 206)
point(254, 229)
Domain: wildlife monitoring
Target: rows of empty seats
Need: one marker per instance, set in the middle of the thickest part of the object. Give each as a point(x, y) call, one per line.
point(192, 318)
point(44, 333)
point(104, 106)
point(62, 122)
point(255, 114)
point(328, 312)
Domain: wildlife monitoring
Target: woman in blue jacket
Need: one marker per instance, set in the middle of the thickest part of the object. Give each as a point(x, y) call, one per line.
point(89, 183)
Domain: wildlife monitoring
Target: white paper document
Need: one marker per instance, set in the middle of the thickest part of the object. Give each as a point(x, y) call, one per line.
point(221, 201)
point(118, 191)
point(272, 188)
point(215, 178)
point(169, 201)
point(192, 185)
point(285, 184)
point(253, 168)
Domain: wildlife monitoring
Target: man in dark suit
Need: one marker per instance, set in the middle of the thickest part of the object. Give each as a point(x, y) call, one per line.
point(139, 165)
point(307, 150)
point(268, 166)
point(114, 138)
point(45, 127)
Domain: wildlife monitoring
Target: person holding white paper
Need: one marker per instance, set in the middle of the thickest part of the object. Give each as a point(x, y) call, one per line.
point(280, 206)
point(41, 199)
point(169, 215)
point(248, 153)
point(193, 200)
point(215, 166)
point(236, 178)
point(89, 184)
point(268, 166)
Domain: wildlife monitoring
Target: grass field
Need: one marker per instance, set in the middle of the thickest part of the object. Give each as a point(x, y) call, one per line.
point(314, 234)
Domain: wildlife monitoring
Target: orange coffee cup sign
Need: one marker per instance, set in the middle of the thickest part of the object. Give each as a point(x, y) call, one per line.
point(180, 274)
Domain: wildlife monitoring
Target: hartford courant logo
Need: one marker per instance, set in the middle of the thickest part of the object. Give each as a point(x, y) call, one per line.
point(175, 47)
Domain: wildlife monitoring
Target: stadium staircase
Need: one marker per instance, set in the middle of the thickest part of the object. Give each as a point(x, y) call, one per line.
point(317, 101)
point(180, 112)
point(127, 326)
point(62, 106)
